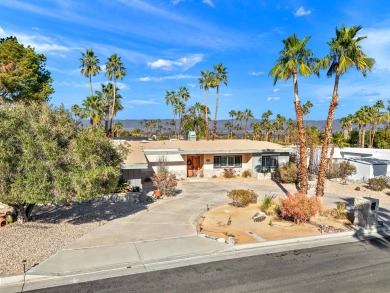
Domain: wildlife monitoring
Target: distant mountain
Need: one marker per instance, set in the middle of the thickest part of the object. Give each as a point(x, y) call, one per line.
point(320, 124)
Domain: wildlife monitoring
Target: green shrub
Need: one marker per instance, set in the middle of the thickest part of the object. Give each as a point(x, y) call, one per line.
point(229, 173)
point(286, 173)
point(377, 183)
point(242, 197)
point(269, 206)
point(246, 174)
point(299, 206)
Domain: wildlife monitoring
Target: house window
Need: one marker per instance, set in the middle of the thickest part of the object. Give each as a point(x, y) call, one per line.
point(227, 161)
point(268, 163)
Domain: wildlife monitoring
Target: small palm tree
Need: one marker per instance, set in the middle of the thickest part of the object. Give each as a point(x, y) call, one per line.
point(89, 66)
point(296, 59)
point(114, 70)
point(171, 98)
point(345, 52)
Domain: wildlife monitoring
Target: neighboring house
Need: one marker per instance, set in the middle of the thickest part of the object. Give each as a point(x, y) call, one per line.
point(369, 162)
point(202, 158)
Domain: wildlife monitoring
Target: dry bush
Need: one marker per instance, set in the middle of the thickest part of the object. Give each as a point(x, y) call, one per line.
point(242, 197)
point(269, 205)
point(246, 174)
point(287, 173)
point(299, 206)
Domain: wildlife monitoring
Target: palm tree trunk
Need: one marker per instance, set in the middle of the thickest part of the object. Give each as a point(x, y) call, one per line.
point(216, 113)
point(113, 110)
point(106, 118)
point(174, 119)
point(90, 85)
point(206, 117)
point(331, 161)
point(325, 144)
point(363, 135)
point(302, 138)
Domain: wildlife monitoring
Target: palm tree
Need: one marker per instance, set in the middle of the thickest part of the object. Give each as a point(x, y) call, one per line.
point(183, 96)
point(89, 66)
point(296, 59)
point(205, 82)
point(232, 113)
point(280, 120)
point(92, 108)
point(171, 98)
point(346, 125)
point(375, 117)
point(219, 75)
point(266, 124)
point(361, 117)
point(239, 117)
point(114, 70)
point(345, 52)
point(118, 129)
point(247, 115)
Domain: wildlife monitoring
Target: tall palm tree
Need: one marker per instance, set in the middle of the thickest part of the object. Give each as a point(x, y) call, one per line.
point(171, 98)
point(296, 59)
point(280, 121)
point(205, 82)
point(114, 70)
point(232, 113)
point(247, 115)
point(219, 75)
point(345, 52)
point(375, 117)
point(183, 96)
point(89, 66)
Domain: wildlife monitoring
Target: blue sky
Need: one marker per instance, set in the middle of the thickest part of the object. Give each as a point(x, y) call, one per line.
point(165, 45)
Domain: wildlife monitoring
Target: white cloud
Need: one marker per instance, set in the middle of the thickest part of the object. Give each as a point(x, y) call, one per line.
point(142, 102)
point(174, 2)
point(181, 63)
point(301, 12)
point(276, 90)
point(162, 78)
point(41, 43)
point(256, 73)
point(273, 98)
point(364, 92)
point(227, 95)
point(191, 85)
point(377, 46)
point(209, 3)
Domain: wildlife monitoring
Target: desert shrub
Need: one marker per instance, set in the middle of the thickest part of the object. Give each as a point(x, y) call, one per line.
point(229, 173)
point(242, 197)
point(286, 173)
point(377, 183)
point(246, 173)
point(299, 206)
point(166, 182)
point(341, 170)
point(269, 205)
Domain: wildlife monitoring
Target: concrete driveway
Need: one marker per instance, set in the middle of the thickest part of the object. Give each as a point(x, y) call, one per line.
point(166, 230)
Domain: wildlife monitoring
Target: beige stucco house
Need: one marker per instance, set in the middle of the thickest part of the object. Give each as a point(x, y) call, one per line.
point(201, 158)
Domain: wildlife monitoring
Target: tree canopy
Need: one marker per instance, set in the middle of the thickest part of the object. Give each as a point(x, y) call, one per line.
point(23, 76)
point(46, 158)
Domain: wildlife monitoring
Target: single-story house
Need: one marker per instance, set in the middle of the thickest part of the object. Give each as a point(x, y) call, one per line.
point(201, 158)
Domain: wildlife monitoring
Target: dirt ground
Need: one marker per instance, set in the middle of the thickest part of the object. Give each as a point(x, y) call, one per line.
point(245, 230)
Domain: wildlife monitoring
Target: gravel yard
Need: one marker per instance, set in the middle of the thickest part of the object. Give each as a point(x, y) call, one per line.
point(53, 228)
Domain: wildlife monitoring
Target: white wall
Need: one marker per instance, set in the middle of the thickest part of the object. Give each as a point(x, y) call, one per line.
point(363, 171)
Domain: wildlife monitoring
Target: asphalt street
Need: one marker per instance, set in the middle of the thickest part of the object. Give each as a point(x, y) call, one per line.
point(353, 267)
